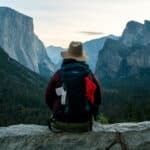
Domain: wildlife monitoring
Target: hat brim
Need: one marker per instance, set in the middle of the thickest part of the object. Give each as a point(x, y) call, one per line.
point(67, 55)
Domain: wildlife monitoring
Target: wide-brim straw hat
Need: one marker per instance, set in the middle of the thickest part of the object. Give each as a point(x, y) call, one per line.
point(75, 51)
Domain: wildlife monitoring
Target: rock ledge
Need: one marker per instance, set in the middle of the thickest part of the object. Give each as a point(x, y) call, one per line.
point(119, 136)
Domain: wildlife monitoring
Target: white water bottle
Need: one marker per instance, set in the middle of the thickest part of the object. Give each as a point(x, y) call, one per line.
point(61, 92)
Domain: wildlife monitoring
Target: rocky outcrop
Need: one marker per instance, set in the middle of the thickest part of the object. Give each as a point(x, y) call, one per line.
point(109, 60)
point(17, 37)
point(127, 55)
point(136, 33)
point(119, 136)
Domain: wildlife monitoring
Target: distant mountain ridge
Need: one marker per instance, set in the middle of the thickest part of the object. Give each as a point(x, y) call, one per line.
point(91, 47)
point(17, 37)
point(54, 54)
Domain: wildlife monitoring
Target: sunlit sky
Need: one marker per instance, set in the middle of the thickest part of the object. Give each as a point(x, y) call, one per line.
point(57, 22)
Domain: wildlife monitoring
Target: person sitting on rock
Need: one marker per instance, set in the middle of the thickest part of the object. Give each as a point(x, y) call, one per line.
point(73, 93)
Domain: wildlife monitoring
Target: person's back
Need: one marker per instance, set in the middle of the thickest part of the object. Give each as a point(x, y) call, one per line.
point(73, 93)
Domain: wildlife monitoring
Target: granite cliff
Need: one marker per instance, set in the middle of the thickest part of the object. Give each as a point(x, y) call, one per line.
point(17, 37)
point(93, 47)
point(128, 55)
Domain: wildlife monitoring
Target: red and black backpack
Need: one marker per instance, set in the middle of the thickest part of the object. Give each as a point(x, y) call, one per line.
point(77, 82)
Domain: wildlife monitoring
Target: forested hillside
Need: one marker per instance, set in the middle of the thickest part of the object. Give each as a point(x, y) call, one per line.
point(21, 93)
point(127, 99)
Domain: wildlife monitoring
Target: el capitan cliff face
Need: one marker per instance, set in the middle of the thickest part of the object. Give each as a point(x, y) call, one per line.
point(17, 37)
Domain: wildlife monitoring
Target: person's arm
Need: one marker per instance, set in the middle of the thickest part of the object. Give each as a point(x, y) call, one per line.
point(50, 93)
point(97, 96)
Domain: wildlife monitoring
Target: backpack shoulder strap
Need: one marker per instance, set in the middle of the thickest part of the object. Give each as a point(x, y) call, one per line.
point(90, 75)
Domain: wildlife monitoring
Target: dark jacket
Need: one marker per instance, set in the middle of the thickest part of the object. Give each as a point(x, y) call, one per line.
point(52, 99)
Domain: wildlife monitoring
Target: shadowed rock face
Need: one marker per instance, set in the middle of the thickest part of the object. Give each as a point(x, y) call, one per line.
point(136, 33)
point(120, 136)
point(17, 37)
point(93, 47)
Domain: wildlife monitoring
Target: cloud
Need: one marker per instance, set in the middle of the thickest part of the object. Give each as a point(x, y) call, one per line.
point(91, 33)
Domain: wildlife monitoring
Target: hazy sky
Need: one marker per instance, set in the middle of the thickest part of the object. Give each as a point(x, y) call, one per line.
point(57, 22)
